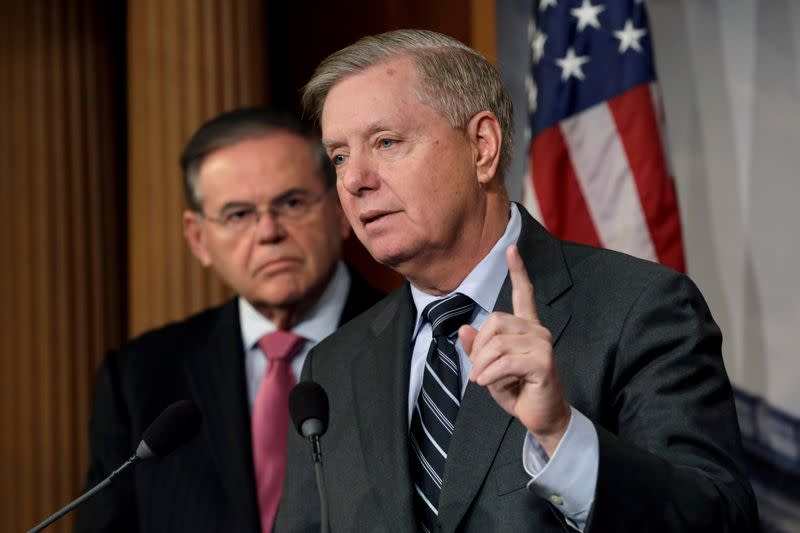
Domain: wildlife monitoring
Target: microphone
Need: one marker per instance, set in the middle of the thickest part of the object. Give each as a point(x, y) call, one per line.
point(308, 406)
point(175, 425)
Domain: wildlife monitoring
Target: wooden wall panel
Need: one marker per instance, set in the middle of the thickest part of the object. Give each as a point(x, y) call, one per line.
point(187, 61)
point(59, 224)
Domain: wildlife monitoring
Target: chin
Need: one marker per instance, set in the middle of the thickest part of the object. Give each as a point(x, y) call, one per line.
point(391, 257)
point(285, 294)
point(275, 303)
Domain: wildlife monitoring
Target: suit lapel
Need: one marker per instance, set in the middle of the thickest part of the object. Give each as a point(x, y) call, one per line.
point(482, 424)
point(216, 375)
point(480, 428)
point(548, 271)
point(381, 404)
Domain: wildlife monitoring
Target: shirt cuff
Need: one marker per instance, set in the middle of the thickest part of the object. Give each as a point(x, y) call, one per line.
point(568, 479)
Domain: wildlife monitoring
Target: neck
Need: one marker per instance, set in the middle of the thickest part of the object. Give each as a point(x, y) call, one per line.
point(444, 273)
point(284, 318)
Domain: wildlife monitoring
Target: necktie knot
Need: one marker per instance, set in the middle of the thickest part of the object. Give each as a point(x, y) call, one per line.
point(280, 345)
point(448, 314)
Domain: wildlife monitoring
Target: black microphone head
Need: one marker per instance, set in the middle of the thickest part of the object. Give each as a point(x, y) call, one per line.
point(174, 426)
point(308, 405)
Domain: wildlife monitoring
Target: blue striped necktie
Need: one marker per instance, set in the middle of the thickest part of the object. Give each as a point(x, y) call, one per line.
point(434, 416)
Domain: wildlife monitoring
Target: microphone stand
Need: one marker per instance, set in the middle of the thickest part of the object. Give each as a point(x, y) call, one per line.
point(308, 405)
point(316, 453)
point(174, 426)
point(74, 503)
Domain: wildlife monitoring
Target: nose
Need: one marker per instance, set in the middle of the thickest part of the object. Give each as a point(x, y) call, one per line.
point(268, 229)
point(360, 174)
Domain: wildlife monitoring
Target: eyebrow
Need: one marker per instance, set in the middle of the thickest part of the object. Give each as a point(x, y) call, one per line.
point(372, 129)
point(234, 205)
point(281, 197)
point(291, 192)
point(330, 145)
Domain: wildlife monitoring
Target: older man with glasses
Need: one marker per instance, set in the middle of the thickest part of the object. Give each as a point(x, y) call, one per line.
point(264, 215)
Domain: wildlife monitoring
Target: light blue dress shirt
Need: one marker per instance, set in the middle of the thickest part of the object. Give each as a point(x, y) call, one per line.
point(567, 479)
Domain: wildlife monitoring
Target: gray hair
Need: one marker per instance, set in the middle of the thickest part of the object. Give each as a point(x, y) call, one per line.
point(239, 125)
point(457, 81)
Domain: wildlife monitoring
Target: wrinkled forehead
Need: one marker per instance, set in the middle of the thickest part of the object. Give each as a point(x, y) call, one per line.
point(388, 78)
point(269, 163)
point(386, 66)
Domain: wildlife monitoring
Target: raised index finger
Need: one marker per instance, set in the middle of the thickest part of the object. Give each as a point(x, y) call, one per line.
point(521, 287)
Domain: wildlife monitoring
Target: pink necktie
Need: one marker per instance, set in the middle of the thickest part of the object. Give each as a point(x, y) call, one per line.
point(271, 421)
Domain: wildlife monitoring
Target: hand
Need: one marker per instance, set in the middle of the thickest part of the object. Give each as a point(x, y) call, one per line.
point(512, 355)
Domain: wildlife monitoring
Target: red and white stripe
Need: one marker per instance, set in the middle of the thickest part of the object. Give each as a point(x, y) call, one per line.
point(601, 177)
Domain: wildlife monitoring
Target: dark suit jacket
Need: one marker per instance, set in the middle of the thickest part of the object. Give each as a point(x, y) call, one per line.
point(208, 484)
point(638, 353)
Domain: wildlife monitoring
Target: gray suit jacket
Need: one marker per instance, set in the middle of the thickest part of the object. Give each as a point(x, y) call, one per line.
point(638, 353)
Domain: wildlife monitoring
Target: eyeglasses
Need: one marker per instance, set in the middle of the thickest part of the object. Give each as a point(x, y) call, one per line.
point(291, 207)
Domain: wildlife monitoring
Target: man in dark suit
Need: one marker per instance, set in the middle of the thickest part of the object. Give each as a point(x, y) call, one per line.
point(517, 382)
point(263, 214)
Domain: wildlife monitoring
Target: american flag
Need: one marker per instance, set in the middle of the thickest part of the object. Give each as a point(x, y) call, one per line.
point(598, 169)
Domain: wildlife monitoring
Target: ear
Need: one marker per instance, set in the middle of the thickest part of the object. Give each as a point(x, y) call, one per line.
point(193, 230)
point(486, 138)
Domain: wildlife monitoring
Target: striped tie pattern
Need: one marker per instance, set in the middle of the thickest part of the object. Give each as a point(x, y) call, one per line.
point(434, 416)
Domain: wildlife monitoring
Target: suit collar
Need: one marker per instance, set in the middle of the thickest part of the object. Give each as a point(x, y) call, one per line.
point(215, 373)
point(548, 271)
point(544, 260)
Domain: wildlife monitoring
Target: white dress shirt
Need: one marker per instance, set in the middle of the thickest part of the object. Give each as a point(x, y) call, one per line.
point(567, 479)
point(319, 322)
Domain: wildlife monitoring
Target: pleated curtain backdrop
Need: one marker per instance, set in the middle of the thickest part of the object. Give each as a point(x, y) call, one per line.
point(60, 239)
point(187, 61)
